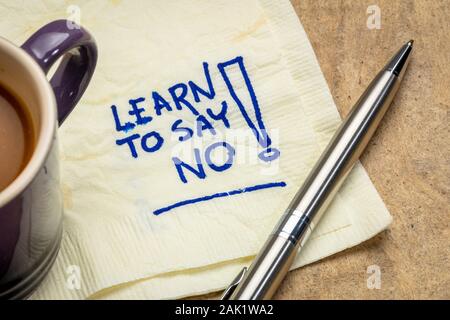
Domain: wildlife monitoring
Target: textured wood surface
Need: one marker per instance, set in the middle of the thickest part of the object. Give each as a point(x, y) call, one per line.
point(408, 160)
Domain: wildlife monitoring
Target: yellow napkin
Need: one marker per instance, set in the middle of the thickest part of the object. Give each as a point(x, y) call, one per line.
point(201, 122)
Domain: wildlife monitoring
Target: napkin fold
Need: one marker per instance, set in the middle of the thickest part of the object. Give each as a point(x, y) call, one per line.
point(201, 122)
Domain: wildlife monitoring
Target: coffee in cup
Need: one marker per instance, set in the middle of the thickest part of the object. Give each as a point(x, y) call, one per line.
point(17, 136)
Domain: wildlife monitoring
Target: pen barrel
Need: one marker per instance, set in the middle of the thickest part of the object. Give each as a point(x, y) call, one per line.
point(301, 216)
point(267, 271)
point(341, 154)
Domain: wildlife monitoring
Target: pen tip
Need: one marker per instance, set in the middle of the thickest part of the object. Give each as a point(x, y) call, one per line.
point(400, 60)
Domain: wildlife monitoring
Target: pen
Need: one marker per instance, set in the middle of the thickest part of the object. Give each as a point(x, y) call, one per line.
point(262, 278)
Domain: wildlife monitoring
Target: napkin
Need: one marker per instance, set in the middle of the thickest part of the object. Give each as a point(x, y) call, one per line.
point(200, 124)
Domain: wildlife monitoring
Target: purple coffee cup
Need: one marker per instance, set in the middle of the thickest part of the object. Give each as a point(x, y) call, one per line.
point(31, 207)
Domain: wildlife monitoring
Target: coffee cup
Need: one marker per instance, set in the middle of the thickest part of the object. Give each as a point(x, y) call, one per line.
point(31, 206)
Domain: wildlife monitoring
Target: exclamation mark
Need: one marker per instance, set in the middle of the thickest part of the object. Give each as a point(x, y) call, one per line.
point(257, 124)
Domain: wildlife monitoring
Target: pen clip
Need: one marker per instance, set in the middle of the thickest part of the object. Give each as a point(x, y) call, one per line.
point(229, 291)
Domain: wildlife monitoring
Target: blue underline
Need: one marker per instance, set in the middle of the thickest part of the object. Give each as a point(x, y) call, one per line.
point(220, 195)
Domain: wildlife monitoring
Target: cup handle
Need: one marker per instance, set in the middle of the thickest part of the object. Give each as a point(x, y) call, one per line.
point(64, 38)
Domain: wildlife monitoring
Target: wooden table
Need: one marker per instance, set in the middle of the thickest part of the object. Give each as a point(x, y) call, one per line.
point(408, 160)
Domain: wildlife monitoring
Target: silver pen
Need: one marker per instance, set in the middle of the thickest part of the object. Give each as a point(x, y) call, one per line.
point(262, 278)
